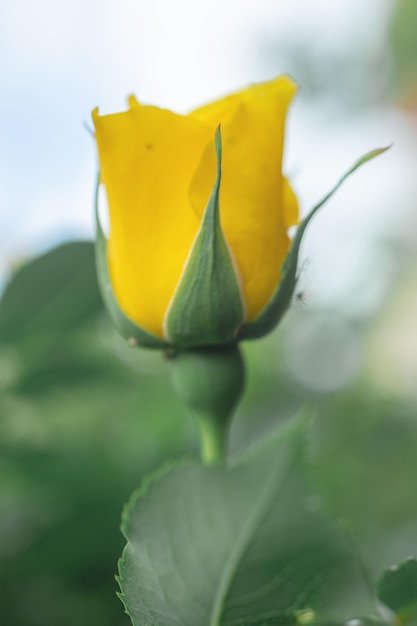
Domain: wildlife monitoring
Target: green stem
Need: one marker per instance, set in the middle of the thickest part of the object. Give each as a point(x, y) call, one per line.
point(213, 437)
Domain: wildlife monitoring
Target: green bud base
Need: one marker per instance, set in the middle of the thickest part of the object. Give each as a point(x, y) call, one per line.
point(210, 382)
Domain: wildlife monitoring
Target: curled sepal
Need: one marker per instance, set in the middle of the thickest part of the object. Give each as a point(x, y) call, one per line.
point(134, 334)
point(207, 306)
point(281, 300)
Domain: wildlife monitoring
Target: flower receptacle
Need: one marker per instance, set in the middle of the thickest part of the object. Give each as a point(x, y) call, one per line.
point(210, 382)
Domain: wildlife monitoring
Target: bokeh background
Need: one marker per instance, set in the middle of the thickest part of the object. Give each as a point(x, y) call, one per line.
point(82, 417)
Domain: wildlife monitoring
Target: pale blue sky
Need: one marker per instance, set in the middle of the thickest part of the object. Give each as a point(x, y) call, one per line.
point(59, 59)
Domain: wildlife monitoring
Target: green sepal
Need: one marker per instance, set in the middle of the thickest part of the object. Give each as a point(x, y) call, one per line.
point(134, 334)
point(281, 300)
point(207, 306)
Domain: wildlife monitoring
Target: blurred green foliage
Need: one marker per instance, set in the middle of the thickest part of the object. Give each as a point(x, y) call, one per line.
point(397, 589)
point(84, 417)
point(404, 47)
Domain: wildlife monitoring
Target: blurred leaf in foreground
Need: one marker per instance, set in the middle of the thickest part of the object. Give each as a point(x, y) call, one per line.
point(51, 294)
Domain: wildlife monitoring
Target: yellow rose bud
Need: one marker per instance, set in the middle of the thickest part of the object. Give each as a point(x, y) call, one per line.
point(198, 232)
point(199, 253)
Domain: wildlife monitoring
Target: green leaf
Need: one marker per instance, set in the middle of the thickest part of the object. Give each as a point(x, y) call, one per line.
point(296, 618)
point(207, 306)
point(134, 334)
point(52, 294)
point(281, 300)
point(230, 546)
point(397, 589)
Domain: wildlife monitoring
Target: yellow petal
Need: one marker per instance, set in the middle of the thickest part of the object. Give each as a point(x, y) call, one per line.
point(256, 204)
point(147, 159)
point(290, 205)
point(221, 109)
